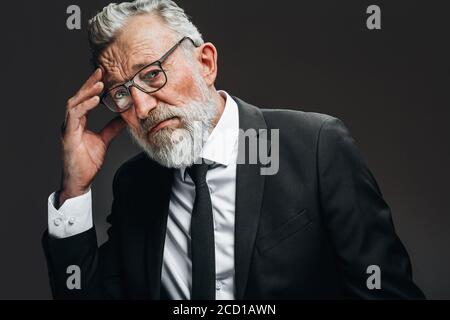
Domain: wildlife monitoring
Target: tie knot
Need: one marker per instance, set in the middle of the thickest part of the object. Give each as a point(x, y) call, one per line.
point(197, 172)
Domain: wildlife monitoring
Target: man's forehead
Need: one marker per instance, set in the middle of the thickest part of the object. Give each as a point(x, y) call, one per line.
point(141, 42)
point(118, 68)
point(119, 63)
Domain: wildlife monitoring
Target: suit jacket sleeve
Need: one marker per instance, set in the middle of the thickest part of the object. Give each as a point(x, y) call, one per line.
point(358, 220)
point(99, 267)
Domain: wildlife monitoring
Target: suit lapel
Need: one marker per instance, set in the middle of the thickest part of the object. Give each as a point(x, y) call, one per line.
point(156, 230)
point(249, 195)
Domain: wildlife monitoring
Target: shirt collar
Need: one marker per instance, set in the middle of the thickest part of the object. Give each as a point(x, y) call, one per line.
point(222, 144)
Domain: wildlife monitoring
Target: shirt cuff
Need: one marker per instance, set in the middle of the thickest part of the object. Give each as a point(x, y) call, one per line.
point(72, 218)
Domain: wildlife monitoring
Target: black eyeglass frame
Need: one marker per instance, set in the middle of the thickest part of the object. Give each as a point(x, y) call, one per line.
point(131, 83)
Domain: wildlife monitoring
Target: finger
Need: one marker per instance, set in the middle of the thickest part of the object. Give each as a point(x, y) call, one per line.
point(92, 80)
point(75, 114)
point(84, 94)
point(112, 130)
point(83, 108)
point(95, 77)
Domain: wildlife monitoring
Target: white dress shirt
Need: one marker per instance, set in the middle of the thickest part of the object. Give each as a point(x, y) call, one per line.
point(75, 215)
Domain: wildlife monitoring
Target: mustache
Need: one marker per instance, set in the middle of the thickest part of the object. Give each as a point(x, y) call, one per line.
point(160, 114)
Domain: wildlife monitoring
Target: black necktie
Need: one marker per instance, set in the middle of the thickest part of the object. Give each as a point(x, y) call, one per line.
point(202, 237)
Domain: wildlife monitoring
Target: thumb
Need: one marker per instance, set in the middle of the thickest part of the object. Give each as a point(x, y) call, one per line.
point(112, 130)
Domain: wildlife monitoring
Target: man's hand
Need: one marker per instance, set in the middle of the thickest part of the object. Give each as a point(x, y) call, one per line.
point(83, 150)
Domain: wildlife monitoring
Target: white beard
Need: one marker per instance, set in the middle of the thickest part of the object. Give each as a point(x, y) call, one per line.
point(180, 147)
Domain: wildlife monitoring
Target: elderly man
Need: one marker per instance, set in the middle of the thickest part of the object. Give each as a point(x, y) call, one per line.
point(188, 220)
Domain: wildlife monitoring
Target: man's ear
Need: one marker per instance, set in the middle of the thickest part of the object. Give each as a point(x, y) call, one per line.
point(207, 56)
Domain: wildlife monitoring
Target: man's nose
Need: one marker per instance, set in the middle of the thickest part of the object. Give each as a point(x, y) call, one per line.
point(143, 102)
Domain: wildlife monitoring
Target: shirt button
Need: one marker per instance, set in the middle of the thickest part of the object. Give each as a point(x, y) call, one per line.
point(72, 221)
point(57, 222)
point(218, 285)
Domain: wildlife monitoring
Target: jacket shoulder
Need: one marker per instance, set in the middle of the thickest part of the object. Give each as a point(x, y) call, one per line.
point(138, 168)
point(284, 118)
point(300, 124)
point(135, 163)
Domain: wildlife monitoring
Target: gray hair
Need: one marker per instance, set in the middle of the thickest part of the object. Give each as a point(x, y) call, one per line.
point(107, 24)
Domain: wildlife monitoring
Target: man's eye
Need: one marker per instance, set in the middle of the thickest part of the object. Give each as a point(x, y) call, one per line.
point(152, 74)
point(120, 94)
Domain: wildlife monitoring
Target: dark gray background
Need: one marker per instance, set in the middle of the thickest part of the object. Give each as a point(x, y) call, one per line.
point(390, 87)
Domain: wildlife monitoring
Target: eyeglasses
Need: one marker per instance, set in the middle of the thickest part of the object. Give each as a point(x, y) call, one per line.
point(149, 79)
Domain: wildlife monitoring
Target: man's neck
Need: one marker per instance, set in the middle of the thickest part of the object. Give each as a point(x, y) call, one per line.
point(221, 101)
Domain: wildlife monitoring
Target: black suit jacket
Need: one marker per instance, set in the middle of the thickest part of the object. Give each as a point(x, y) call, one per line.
point(309, 231)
